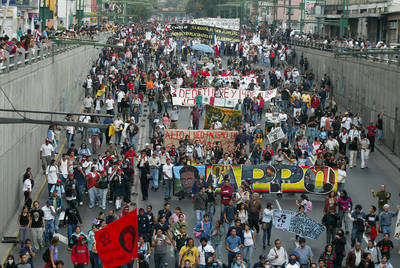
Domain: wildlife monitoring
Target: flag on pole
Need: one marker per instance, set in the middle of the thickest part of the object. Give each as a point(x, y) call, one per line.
point(117, 243)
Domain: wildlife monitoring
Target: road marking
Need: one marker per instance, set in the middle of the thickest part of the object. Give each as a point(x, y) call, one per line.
point(277, 204)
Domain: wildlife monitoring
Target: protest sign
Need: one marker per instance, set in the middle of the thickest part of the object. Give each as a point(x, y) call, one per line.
point(272, 118)
point(230, 24)
point(303, 144)
point(221, 97)
point(185, 176)
point(229, 118)
point(117, 243)
point(277, 178)
point(173, 136)
point(300, 224)
point(275, 134)
point(397, 228)
point(203, 31)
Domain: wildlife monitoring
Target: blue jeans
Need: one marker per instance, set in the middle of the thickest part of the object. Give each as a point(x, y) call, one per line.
point(151, 106)
point(177, 259)
point(380, 134)
point(80, 189)
point(49, 231)
point(70, 137)
point(386, 229)
point(118, 137)
point(154, 176)
point(102, 194)
point(356, 236)
point(95, 260)
point(70, 230)
point(92, 197)
point(248, 254)
point(199, 215)
point(169, 184)
point(132, 141)
point(267, 232)
point(218, 249)
point(211, 212)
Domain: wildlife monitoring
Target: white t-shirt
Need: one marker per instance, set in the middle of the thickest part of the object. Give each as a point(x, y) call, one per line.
point(202, 252)
point(109, 104)
point(47, 212)
point(64, 168)
point(248, 238)
point(282, 117)
point(117, 124)
point(51, 173)
point(120, 96)
point(88, 102)
point(27, 185)
point(342, 176)
point(168, 169)
point(46, 149)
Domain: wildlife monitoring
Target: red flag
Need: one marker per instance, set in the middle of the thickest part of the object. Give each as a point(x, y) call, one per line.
point(117, 243)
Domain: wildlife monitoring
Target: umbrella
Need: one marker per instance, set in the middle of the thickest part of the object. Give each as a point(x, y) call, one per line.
point(203, 47)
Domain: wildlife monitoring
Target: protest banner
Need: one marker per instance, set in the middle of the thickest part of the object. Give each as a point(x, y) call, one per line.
point(397, 228)
point(173, 136)
point(203, 31)
point(275, 134)
point(185, 176)
point(300, 224)
point(229, 118)
point(276, 178)
point(272, 118)
point(221, 97)
point(224, 23)
point(117, 243)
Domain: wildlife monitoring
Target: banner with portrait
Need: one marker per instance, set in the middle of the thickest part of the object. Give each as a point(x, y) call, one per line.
point(229, 118)
point(185, 176)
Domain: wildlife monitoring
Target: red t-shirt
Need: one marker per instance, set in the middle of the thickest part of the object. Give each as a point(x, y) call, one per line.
point(91, 179)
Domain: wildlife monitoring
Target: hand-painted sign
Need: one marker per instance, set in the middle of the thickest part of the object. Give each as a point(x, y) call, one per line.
point(205, 137)
point(229, 118)
point(276, 178)
point(297, 223)
point(224, 97)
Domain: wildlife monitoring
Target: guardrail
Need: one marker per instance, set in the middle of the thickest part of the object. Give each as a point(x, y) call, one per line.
point(15, 61)
point(388, 56)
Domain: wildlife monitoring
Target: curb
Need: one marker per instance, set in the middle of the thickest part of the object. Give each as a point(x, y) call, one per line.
point(387, 157)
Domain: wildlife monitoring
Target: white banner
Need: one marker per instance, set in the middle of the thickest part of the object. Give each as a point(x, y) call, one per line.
point(397, 228)
point(230, 24)
point(275, 134)
point(223, 97)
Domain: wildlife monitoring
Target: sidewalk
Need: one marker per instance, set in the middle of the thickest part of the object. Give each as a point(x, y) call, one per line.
point(388, 155)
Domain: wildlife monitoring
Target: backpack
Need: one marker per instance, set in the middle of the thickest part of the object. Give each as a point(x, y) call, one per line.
point(46, 256)
point(196, 233)
point(309, 206)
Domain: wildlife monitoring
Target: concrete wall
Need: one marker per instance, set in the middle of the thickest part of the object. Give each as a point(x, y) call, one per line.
point(362, 86)
point(43, 86)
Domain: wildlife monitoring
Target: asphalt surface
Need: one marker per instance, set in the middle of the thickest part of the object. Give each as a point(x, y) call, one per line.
point(358, 184)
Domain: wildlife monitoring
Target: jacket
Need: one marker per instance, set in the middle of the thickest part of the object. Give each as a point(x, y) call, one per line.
point(80, 252)
point(351, 259)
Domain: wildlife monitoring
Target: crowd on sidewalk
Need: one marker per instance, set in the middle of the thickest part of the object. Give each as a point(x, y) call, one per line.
point(100, 172)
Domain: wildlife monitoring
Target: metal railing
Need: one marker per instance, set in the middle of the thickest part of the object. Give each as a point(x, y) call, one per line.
point(15, 61)
point(384, 55)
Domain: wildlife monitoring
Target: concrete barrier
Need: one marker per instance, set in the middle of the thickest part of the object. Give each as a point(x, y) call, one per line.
point(362, 86)
point(43, 86)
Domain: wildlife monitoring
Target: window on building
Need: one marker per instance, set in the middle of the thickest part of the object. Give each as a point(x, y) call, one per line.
point(392, 24)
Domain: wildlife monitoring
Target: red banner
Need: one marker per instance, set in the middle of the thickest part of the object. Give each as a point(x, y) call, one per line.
point(117, 243)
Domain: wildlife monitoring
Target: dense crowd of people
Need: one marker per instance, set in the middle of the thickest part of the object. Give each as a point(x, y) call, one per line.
point(101, 171)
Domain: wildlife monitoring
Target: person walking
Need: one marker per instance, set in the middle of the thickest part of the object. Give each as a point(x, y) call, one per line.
point(365, 150)
point(304, 253)
point(24, 221)
point(233, 244)
point(385, 219)
point(330, 221)
point(37, 226)
point(52, 256)
point(249, 245)
point(169, 179)
point(277, 255)
point(80, 254)
point(49, 216)
point(217, 236)
point(267, 216)
point(255, 209)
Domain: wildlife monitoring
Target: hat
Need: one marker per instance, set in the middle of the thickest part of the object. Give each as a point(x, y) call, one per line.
point(49, 202)
point(262, 257)
point(168, 158)
point(71, 175)
point(46, 140)
point(58, 180)
point(103, 172)
point(279, 159)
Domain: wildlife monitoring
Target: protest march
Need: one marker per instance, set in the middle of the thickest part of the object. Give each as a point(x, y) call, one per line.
point(232, 156)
